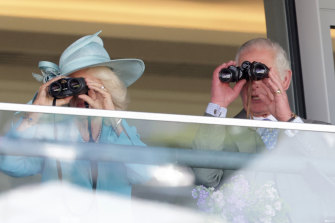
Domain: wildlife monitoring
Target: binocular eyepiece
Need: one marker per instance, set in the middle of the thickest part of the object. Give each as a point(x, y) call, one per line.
point(250, 71)
point(66, 87)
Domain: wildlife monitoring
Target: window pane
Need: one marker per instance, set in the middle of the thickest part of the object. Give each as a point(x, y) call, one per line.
point(332, 34)
point(164, 161)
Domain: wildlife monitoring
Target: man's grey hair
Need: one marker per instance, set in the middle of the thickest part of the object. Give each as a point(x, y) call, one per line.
point(281, 60)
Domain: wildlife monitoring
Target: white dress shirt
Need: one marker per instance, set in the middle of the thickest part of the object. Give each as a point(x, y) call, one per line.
point(217, 111)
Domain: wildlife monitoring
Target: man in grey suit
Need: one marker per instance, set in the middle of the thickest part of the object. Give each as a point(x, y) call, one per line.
point(264, 99)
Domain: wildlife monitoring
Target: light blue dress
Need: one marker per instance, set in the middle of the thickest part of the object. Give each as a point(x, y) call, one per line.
point(114, 177)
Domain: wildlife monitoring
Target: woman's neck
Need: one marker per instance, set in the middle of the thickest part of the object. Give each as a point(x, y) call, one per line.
point(95, 130)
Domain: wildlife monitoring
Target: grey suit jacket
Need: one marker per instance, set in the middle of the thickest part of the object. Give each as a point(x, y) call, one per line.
point(303, 192)
point(243, 114)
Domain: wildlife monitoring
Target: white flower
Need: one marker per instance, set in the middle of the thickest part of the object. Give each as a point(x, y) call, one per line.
point(236, 198)
point(277, 205)
point(271, 193)
point(217, 196)
point(211, 189)
point(265, 220)
point(269, 210)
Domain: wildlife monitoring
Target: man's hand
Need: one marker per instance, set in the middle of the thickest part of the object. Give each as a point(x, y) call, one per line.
point(271, 90)
point(221, 93)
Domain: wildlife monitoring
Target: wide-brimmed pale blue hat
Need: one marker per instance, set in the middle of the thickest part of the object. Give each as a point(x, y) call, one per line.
point(88, 51)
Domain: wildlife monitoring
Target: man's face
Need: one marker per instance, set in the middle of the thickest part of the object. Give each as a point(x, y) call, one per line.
point(267, 57)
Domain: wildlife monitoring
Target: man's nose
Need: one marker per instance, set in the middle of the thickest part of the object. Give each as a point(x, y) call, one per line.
point(256, 83)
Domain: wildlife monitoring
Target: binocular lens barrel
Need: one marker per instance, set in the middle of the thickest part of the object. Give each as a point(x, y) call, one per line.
point(74, 84)
point(55, 88)
point(260, 71)
point(226, 75)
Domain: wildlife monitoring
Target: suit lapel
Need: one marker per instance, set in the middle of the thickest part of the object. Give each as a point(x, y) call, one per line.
point(249, 141)
point(242, 114)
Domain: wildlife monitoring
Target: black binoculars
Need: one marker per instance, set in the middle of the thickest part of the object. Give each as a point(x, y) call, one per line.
point(66, 87)
point(250, 71)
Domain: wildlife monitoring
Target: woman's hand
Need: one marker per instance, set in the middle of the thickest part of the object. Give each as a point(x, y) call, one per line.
point(43, 97)
point(98, 96)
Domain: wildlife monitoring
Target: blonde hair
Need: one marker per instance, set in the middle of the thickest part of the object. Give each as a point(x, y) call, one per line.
point(113, 84)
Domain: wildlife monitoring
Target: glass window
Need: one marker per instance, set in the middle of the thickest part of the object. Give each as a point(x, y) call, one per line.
point(179, 166)
point(332, 34)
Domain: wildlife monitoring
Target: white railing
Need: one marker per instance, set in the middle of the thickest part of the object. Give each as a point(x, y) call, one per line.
point(165, 117)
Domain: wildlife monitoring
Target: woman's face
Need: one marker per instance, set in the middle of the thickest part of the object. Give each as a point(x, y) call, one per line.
point(75, 101)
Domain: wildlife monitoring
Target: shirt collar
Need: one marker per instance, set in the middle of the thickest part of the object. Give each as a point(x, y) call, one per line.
point(267, 118)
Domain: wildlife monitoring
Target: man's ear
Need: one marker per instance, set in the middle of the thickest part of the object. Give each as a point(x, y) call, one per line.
point(287, 80)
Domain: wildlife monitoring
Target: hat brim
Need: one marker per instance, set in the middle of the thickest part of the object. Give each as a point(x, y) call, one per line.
point(128, 70)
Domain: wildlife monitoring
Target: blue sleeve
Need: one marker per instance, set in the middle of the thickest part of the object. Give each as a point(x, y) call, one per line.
point(19, 166)
point(136, 173)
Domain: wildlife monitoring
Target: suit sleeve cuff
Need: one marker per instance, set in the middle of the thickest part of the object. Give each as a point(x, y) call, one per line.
point(293, 132)
point(216, 111)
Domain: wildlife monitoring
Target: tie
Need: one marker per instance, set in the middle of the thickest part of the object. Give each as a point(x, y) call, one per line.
point(269, 136)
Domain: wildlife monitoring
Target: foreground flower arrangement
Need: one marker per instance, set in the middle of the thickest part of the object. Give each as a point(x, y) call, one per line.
point(237, 201)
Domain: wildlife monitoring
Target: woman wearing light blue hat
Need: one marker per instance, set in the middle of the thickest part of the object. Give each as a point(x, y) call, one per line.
point(107, 81)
